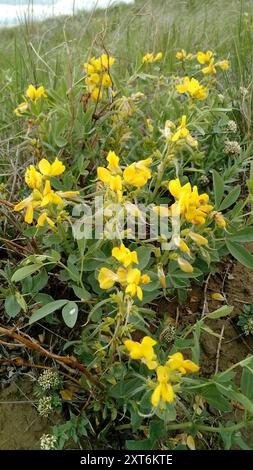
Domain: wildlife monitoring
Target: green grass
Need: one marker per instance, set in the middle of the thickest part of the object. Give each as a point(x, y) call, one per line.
point(53, 52)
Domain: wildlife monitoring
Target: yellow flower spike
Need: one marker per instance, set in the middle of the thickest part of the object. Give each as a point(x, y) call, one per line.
point(35, 93)
point(204, 57)
point(177, 362)
point(21, 108)
point(143, 351)
point(184, 265)
point(124, 255)
point(197, 238)
point(163, 391)
point(107, 278)
point(48, 169)
point(137, 174)
point(33, 178)
point(43, 218)
point(68, 194)
point(113, 161)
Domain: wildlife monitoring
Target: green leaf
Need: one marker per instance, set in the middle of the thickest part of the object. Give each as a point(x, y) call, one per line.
point(237, 396)
point(21, 301)
point(46, 310)
point(241, 236)
point(143, 253)
point(221, 312)
point(24, 272)
point(215, 399)
point(81, 293)
point(240, 253)
point(40, 280)
point(145, 444)
point(218, 185)
point(230, 199)
point(247, 380)
point(11, 306)
point(70, 314)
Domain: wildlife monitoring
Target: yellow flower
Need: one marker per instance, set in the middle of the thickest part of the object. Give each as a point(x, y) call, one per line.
point(158, 57)
point(131, 279)
point(210, 69)
point(29, 204)
point(115, 183)
point(33, 178)
point(96, 94)
point(138, 173)
point(192, 205)
point(163, 391)
point(56, 169)
point(218, 296)
point(219, 219)
point(182, 55)
point(148, 58)
point(193, 87)
point(107, 61)
point(143, 351)
point(177, 362)
point(104, 175)
point(183, 133)
point(49, 196)
point(22, 108)
point(113, 161)
point(35, 93)
point(197, 238)
point(204, 57)
point(107, 278)
point(183, 246)
point(106, 80)
point(184, 265)
point(223, 64)
point(124, 255)
point(43, 218)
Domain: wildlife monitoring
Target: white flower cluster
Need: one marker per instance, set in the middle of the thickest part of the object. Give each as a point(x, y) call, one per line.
point(48, 379)
point(232, 126)
point(232, 147)
point(45, 406)
point(48, 442)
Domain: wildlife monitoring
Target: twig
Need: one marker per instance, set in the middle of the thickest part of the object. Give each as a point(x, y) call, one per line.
point(205, 303)
point(18, 361)
point(219, 349)
point(70, 361)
